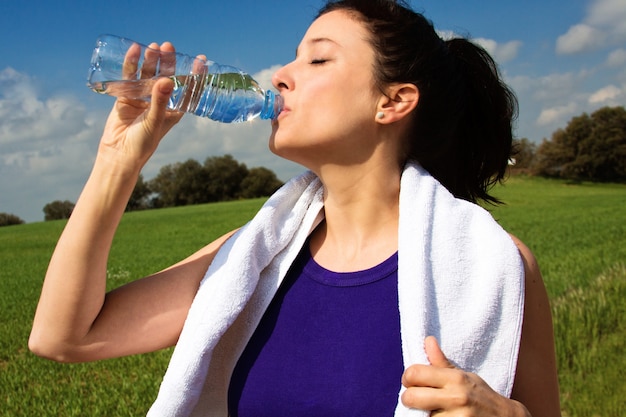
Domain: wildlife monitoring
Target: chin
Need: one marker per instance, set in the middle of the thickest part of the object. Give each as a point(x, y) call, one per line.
point(279, 151)
point(291, 148)
point(287, 152)
point(272, 143)
point(277, 142)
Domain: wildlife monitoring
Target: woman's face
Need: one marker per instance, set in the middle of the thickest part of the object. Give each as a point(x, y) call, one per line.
point(329, 92)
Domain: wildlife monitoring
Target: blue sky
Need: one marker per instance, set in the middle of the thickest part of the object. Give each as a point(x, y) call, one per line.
point(561, 57)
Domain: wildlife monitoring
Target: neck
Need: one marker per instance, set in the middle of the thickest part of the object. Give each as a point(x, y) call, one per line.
point(361, 216)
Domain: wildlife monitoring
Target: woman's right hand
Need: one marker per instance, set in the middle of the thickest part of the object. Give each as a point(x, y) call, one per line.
point(76, 319)
point(134, 128)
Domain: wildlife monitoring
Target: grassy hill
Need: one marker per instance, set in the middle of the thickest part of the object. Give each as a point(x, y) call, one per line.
point(577, 232)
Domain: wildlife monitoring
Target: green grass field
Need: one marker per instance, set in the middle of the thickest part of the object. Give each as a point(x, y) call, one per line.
point(577, 232)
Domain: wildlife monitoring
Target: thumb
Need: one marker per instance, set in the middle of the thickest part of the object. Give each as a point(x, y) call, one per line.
point(158, 120)
point(436, 357)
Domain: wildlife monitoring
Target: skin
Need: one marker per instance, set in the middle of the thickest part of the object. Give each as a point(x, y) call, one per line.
point(330, 126)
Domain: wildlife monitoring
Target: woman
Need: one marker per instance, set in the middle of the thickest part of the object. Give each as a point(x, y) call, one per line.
point(375, 102)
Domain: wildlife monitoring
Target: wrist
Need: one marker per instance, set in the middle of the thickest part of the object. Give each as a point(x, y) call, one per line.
point(111, 183)
point(111, 163)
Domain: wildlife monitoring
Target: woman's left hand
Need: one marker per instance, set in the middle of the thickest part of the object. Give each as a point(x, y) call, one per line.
point(446, 390)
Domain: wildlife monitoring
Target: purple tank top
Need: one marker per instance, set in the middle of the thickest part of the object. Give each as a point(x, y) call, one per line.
point(328, 345)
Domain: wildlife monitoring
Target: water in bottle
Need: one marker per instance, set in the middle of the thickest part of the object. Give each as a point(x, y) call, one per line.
point(204, 88)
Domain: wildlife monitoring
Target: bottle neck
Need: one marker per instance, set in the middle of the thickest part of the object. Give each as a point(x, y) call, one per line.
point(272, 107)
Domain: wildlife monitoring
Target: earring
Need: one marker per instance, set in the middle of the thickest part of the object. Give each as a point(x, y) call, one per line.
point(380, 115)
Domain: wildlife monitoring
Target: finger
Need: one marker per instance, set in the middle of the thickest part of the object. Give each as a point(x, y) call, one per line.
point(161, 92)
point(427, 399)
point(199, 65)
point(167, 67)
point(131, 61)
point(150, 61)
point(436, 357)
point(427, 376)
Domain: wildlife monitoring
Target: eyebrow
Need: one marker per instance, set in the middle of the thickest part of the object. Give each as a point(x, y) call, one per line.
point(318, 41)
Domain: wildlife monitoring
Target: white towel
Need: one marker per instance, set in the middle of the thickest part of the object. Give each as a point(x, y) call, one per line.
point(460, 278)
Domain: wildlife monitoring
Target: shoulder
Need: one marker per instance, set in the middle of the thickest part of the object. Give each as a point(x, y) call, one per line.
point(531, 267)
point(536, 297)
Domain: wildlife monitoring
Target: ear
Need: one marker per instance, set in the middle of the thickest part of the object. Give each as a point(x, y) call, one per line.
point(398, 101)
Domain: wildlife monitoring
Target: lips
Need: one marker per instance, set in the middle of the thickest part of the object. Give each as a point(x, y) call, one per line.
point(285, 110)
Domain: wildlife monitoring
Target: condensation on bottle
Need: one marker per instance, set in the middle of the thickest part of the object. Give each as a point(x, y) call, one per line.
point(203, 88)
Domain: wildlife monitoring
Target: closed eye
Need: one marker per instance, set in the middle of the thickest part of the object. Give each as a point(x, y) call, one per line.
point(318, 61)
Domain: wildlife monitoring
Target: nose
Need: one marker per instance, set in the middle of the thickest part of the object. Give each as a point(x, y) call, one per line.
point(281, 80)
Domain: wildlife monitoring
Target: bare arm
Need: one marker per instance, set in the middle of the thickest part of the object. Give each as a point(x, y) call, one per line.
point(536, 383)
point(75, 319)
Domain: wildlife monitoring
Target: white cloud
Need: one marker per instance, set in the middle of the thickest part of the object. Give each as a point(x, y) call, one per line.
point(500, 52)
point(610, 14)
point(579, 38)
point(604, 25)
point(556, 115)
point(556, 87)
point(548, 102)
point(606, 95)
point(264, 77)
point(447, 34)
point(47, 144)
point(617, 58)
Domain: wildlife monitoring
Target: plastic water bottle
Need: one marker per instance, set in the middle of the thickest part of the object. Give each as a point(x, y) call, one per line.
point(123, 68)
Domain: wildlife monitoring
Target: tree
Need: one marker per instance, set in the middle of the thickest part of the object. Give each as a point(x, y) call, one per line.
point(259, 182)
point(224, 176)
point(523, 155)
point(220, 178)
point(58, 210)
point(139, 199)
point(7, 219)
point(589, 148)
point(163, 185)
point(179, 184)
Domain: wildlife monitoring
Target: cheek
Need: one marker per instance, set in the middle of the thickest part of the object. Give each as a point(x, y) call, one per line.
point(324, 111)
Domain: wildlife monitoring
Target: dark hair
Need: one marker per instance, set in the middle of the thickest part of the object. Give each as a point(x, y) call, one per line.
point(462, 126)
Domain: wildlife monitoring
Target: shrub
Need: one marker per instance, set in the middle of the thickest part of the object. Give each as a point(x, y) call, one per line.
point(58, 210)
point(7, 219)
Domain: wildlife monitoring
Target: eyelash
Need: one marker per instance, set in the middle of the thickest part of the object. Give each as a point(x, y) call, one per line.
point(318, 61)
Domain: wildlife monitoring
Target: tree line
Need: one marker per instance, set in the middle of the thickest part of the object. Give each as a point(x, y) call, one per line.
point(592, 147)
point(219, 178)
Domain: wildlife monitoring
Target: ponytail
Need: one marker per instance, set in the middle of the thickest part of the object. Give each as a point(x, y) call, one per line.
point(463, 131)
